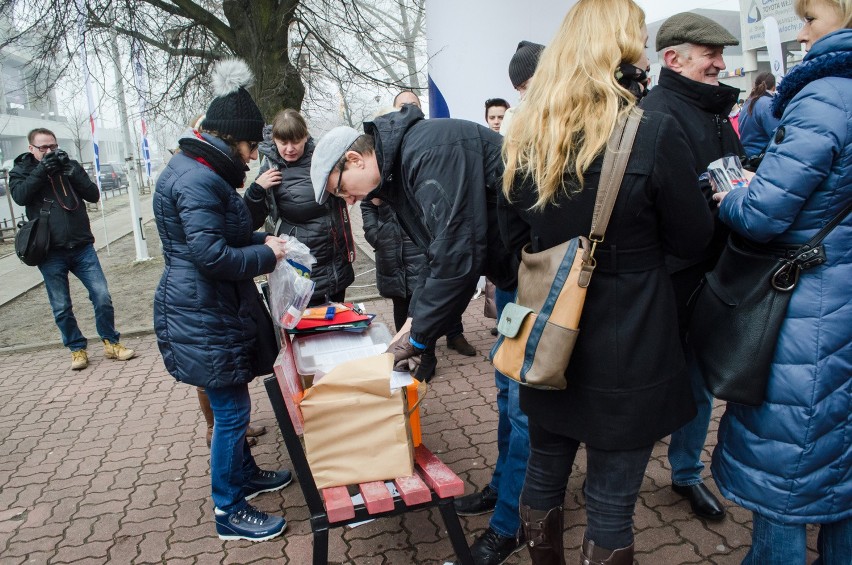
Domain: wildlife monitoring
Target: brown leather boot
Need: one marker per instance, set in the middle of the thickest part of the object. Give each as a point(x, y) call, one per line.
point(543, 531)
point(595, 555)
point(204, 404)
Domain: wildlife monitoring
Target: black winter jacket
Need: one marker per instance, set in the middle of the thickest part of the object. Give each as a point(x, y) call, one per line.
point(702, 111)
point(627, 380)
point(69, 221)
point(442, 178)
point(399, 261)
point(325, 229)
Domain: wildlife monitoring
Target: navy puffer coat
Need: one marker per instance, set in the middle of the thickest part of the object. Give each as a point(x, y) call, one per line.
point(205, 304)
point(790, 459)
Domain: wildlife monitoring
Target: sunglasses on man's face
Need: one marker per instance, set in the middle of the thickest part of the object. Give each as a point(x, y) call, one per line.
point(46, 148)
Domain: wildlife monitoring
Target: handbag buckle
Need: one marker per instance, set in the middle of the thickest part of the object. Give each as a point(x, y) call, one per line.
point(786, 277)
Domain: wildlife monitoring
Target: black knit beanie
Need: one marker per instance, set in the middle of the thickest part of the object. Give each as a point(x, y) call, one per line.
point(524, 61)
point(233, 111)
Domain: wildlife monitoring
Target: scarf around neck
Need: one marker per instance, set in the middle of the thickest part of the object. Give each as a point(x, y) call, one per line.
point(832, 64)
point(197, 146)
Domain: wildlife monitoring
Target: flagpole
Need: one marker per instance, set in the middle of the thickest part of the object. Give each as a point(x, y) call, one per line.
point(90, 99)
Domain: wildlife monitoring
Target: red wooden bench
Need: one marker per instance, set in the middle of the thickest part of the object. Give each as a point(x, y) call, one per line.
point(433, 484)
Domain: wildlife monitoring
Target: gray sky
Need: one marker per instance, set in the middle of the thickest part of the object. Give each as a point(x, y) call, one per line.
point(660, 9)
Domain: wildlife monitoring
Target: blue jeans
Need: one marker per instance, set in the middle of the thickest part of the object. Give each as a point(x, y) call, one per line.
point(613, 479)
point(83, 262)
point(513, 447)
point(776, 543)
point(687, 443)
point(231, 462)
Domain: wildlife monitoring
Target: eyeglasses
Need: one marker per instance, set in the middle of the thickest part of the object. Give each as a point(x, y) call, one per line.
point(46, 148)
point(253, 145)
point(339, 190)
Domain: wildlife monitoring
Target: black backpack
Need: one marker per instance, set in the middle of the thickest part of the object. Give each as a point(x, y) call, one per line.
point(32, 241)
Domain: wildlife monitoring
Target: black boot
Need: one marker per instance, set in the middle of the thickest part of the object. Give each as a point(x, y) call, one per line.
point(543, 531)
point(703, 502)
point(596, 555)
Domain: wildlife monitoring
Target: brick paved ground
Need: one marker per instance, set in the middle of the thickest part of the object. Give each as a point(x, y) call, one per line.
point(110, 465)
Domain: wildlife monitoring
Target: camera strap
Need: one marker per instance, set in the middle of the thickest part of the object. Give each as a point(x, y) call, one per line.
point(65, 190)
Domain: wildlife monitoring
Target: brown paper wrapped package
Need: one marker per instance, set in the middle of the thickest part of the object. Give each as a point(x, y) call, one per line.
point(356, 430)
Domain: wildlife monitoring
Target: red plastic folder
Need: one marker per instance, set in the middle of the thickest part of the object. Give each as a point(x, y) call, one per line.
point(347, 317)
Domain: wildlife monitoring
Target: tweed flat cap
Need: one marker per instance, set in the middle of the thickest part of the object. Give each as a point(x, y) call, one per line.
point(687, 27)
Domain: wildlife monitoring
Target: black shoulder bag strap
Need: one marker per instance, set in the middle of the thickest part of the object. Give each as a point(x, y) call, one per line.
point(810, 254)
point(42, 236)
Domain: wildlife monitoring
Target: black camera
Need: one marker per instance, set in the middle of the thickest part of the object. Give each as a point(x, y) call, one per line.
point(62, 158)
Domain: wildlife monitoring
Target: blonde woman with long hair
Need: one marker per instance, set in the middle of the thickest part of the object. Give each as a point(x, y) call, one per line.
point(627, 382)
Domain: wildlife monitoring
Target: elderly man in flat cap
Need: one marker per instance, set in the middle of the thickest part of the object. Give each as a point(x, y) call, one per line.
point(690, 49)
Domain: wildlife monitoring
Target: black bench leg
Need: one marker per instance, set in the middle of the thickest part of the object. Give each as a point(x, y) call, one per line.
point(454, 529)
point(321, 546)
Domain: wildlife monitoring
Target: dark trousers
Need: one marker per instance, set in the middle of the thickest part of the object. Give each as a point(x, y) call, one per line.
point(613, 479)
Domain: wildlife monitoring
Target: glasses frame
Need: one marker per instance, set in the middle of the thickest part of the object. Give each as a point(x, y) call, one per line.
point(46, 148)
point(338, 191)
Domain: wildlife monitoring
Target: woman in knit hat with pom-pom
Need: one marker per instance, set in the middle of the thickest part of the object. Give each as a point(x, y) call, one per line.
point(212, 330)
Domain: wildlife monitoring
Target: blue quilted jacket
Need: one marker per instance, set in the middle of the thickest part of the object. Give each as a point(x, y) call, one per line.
point(791, 458)
point(203, 305)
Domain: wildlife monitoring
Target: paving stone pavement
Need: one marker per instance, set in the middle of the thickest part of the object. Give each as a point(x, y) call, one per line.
point(109, 465)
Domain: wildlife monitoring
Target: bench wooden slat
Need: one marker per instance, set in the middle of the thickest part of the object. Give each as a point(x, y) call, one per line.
point(412, 490)
point(377, 497)
point(338, 504)
point(438, 476)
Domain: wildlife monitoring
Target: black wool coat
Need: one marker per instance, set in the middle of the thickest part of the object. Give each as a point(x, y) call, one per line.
point(627, 381)
point(702, 111)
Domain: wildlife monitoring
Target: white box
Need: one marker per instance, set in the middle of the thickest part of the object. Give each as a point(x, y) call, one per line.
point(323, 351)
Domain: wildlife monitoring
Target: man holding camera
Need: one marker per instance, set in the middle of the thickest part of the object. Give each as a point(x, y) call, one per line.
point(46, 178)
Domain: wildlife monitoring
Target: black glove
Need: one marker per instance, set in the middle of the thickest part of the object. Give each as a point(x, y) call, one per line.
point(68, 169)
point(51, 164)
point(406, 357)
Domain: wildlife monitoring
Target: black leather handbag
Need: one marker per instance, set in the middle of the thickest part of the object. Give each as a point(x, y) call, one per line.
point(738, 309)
point(32, 241)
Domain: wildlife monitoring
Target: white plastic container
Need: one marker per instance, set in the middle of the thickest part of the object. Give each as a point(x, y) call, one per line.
point(323, 351)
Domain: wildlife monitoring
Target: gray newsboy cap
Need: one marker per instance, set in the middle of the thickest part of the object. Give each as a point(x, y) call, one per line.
point(687, 27)
point(326, 155)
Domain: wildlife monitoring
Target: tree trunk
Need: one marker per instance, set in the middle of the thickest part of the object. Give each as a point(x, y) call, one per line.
point(261, 31)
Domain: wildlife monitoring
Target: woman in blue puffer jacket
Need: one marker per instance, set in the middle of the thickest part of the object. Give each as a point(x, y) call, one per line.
point(789, 460)
point(211, 327)
point(757, 123)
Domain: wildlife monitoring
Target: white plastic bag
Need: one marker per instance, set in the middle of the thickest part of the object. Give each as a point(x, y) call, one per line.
point(290, 286)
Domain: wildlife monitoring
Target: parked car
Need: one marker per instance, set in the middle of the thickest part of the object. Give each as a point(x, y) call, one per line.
point(112, 176)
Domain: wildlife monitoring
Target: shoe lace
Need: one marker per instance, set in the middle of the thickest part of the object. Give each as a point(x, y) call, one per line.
point(252, 515)
point(78, 355)
point(261, 474)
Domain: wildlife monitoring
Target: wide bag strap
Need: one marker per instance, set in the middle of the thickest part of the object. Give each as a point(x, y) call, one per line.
point(618, 149)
